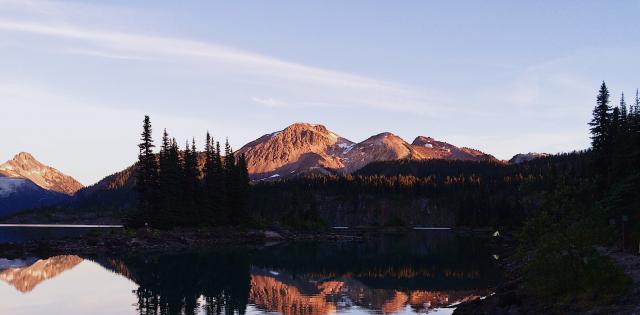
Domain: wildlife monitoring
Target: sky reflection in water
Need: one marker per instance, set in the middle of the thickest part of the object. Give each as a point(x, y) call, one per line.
point(421, 273)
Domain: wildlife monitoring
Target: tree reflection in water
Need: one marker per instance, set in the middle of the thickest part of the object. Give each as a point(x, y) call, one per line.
point(418, 272)
point(421, 271)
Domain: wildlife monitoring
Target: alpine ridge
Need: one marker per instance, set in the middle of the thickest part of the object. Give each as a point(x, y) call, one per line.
point(303, 147)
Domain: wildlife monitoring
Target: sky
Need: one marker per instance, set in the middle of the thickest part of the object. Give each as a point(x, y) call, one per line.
point(504, 77)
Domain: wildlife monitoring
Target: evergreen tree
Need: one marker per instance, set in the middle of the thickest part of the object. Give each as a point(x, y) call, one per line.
point(164, 182)
point(601, 122)
point(635, 125)
point(229, 159)
point(209, 177)
point(213, 183)
point(616, 126)
point(243, 189)
point(635, 107)
point(232, 189)
point(146, 176)
point(190, 185)
point(624, 121)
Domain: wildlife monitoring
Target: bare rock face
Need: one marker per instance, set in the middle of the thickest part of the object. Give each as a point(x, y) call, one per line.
point(381, 147)
point(299, 147)
point(24, 165)
point(432, 149)
point(304, 147)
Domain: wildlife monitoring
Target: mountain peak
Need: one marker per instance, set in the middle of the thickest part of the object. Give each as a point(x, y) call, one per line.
point(24, 165)
point(422, 140)
point(24, 156)
point(304, 125)
point(299, 146)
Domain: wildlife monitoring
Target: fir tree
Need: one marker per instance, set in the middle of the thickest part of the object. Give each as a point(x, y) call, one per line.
point(213, 185)
point(601, 122)
point(190, 185)
point(624, 116)
point(243, 189)
point(636, 109)
point(146, 175)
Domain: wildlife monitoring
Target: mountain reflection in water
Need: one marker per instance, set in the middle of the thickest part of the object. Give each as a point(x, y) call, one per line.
point(415, 273)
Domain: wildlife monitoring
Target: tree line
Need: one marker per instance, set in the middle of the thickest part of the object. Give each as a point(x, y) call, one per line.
point(482, 193)
point(615, 139)
point(186, 187)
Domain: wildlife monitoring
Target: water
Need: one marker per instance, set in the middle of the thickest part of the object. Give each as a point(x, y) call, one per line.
point(423, 272)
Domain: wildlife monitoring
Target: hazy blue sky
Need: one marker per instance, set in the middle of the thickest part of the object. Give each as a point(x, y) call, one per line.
point(504, 77)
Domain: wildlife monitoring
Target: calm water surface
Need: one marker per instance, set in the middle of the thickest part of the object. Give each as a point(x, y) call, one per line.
point(423, 272)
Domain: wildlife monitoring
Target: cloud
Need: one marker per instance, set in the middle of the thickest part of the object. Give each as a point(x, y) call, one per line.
point(270, 102)
point(102, 54)
point(344, 88)
point(154, 46)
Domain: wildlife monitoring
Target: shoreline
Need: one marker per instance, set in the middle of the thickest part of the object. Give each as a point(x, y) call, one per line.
point(116, 240)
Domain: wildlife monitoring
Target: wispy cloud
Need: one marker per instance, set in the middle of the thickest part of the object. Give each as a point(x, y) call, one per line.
point(348, 89)
point(155, 46)
point(270, 102)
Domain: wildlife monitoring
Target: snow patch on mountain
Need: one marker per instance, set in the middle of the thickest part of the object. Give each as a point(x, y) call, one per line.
point(11, 185)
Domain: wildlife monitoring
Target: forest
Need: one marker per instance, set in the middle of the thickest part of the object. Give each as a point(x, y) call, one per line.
point(174, 190)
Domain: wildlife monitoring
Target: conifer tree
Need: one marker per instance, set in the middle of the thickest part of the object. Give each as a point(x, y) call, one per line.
point(636, 111)
point(624, 114)
point(601, 122)
point(146, 175)
point(209, 177)
point(213, 185)
point(229, 159)
point(616, 129)
point(190, 185)
point(243, 189)
point(230, 177)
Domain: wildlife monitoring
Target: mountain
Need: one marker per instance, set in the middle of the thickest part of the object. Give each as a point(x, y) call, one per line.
point(24, 165)
point(526, 157)
point(299, 147)
point(26, 183)
point(305, 147)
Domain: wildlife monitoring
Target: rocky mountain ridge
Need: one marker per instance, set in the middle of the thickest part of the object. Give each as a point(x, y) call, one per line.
point(303, 147)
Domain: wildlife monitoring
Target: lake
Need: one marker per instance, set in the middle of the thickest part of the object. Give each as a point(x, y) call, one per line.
point(420, 272)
